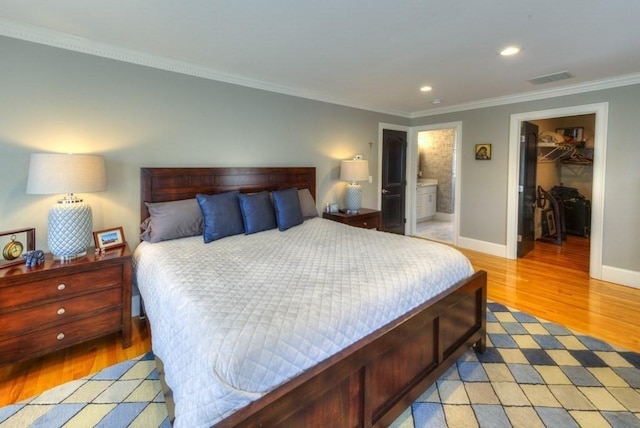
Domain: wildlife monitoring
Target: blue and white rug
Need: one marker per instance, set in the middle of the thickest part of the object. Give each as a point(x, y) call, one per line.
point(533, 374)
point(127, 394)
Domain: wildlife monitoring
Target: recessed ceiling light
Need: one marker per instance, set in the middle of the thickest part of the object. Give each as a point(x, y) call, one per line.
point(511, 50)
point(426, 88)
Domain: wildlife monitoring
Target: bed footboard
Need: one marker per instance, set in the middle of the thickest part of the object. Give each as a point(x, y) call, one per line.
point(373, 381)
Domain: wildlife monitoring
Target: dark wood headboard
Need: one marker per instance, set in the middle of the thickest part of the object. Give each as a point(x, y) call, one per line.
point(172, 184)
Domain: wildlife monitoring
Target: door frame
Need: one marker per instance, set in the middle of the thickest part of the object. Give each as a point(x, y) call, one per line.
point(412, 173)
point(601, 110)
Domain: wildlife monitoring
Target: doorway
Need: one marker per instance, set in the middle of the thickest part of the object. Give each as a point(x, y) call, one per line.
point(597, 185)
point(435, 187)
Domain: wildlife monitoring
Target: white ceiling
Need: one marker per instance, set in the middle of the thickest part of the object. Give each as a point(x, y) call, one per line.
point(373, 54)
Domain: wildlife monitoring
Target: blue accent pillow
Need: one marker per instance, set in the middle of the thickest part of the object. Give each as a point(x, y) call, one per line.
point(288, 210)
point(257, 212)
point(221, 215)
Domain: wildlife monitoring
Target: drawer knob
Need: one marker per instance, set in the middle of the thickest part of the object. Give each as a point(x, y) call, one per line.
point(61, 311)
point(365, 223)
point(60, 336)
point(61, 287)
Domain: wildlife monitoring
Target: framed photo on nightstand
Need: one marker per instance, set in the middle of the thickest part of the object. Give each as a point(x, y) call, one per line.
point(109, 238)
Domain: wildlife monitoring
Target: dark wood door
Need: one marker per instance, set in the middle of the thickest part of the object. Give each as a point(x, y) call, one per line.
point(527, 187)
point(394, 160)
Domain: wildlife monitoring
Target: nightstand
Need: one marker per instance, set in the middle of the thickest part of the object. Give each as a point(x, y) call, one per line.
point(55, 305)
point(366, 218)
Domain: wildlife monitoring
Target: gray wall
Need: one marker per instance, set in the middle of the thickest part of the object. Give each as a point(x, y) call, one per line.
point(62, 101)
point(483, 207)
point(55, 100)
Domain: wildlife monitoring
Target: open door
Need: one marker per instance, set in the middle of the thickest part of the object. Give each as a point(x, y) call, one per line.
point(527, 187)
point(394, 182)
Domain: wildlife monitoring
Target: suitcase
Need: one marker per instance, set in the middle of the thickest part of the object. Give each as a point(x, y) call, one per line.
point(577, 214)
point(577, 210)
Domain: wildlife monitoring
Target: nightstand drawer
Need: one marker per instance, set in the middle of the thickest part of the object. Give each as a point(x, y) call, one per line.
point(58, 337)
point(366, 218)
point(366, 223)
point(58, 312)
point(59, 287)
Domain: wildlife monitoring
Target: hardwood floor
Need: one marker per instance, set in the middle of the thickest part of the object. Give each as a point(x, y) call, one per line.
point(552, 282)
point(28, 378)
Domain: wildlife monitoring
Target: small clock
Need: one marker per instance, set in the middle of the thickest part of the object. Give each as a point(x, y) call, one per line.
point(13, 249)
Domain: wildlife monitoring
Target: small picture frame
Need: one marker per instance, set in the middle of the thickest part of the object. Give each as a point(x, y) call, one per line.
point(109, 238)
point(334, 208)
point(550, 222)
point(14, 243)
point(483, 151)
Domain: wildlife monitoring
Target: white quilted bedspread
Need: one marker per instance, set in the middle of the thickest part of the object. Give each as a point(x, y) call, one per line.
point(237, 317)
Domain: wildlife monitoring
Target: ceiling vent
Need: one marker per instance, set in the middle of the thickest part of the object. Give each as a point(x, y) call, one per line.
point(551, 78)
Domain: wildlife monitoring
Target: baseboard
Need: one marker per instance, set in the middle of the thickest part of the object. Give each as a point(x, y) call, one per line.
point(621, 276)
point(444, 217)
point(135, 306)
point(482, 246)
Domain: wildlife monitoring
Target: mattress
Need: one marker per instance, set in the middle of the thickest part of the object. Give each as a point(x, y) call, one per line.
point(235, 318)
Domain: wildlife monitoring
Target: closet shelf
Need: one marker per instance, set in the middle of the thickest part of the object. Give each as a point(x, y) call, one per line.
point(562, 153)
point(558, 152)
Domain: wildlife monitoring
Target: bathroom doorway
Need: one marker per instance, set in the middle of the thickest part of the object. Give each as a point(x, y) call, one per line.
point(436, 182)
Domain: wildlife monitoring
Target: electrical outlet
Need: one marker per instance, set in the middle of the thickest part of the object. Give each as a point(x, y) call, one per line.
point(370, 179)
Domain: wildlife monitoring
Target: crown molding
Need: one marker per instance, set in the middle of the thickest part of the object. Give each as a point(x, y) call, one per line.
point(629, 79)
point(91, 47)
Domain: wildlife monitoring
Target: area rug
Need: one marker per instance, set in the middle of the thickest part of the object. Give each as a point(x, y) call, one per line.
point(533, 374)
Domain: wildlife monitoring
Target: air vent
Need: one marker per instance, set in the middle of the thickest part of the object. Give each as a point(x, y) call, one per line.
point(551, 78)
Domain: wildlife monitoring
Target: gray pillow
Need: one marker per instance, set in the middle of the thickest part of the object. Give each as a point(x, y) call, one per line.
point(172, 220)
point(307, 204)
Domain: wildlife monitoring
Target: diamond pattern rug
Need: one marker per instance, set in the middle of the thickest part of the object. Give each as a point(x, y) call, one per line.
point(533, 374)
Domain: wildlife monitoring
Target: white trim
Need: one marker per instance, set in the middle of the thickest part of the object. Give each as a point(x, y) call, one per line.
point(621, 276)
point(601, 110)
point(382, 126)
point(445, 216)
point(412, 177)
point(135, 306)
point(70, 42)
point(482, 246)
point(596, 85)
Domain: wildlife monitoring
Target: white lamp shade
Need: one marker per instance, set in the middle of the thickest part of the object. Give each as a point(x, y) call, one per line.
point(70, 220)
point(354, 170)
point(55, 173)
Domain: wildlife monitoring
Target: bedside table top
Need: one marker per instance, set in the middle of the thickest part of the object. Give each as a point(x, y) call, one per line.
point(49, 263)
point(363, 211)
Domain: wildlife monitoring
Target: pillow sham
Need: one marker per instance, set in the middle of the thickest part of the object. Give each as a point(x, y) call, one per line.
point(287, 208)
point(221, 214)
point(307, 204)
point(257, 212)
point(171, 220)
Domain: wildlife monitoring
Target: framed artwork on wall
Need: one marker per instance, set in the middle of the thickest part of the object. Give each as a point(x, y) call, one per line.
point(483, 151)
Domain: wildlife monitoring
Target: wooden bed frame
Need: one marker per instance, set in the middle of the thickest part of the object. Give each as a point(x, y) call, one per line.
point(371, 382)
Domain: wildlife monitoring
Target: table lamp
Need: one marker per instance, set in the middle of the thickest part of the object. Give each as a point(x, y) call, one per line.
point(70, 219)
point(353, 171)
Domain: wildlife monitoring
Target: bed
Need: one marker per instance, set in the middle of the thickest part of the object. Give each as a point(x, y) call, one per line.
point(314, 325)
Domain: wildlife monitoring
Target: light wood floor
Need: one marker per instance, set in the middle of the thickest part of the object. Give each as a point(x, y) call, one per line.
point(552, 282)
